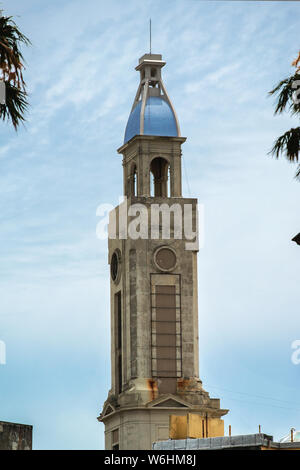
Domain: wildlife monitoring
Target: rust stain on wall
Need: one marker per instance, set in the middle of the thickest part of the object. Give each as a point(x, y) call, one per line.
point(152, 385)
point(184, 384)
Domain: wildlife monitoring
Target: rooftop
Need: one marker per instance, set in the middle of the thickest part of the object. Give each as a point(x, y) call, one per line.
point(241, 442)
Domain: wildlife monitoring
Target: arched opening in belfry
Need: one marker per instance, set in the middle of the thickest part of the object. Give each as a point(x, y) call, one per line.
point(133, 180)
point(159, 171)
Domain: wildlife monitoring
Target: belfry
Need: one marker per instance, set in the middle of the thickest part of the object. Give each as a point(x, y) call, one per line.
point(154, 292)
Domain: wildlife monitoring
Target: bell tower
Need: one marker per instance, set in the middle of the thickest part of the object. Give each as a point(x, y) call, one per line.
point(154, 293)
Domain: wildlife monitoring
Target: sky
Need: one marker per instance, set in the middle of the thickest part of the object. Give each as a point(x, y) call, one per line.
point(222, 59)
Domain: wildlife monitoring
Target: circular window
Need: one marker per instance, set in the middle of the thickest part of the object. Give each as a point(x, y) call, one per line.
point(115, 266)
point(165, 258)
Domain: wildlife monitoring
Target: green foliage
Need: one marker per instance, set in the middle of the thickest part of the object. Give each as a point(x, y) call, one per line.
point(288, 143)
point(286, 90)
point(16, 105)
point(288, 99)
point(11, 67)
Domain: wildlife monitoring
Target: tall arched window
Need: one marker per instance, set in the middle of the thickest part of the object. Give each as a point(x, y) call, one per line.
point(159, 177)
point(133, 180)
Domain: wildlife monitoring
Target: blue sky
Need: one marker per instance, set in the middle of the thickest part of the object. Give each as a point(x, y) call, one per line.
point(222, 59)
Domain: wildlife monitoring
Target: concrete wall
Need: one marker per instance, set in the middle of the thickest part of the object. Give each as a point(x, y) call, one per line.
point(138, 428)
point(137, 270)
point(15, 436)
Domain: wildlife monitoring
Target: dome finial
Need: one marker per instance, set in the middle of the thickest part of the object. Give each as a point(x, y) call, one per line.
point(152, 92)
point(150, 34)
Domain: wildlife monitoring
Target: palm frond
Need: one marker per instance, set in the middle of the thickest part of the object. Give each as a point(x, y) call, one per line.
point(288, 144)
point(11, 58)
point(285, 91)
point(11, 66)
point(296, 62)
point(16, 105)
point(11, 36)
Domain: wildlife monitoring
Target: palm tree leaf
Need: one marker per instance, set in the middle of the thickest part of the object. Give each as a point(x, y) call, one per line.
point(285, 91)
point(11, 66)
point(11, 57)
point(16, 105)
point(288, 144)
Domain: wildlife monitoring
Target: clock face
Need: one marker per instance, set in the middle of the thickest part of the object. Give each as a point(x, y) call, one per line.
point(114, 266)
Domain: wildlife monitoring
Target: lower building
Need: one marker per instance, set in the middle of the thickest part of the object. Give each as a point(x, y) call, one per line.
point(15, 436)
point(242, 442)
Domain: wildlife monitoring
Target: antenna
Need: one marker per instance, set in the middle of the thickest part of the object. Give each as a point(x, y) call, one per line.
point(150, 34)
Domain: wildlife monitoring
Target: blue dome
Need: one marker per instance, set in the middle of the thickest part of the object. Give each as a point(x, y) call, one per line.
point(159, 119)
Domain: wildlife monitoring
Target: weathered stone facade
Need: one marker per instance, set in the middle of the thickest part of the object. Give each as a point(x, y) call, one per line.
point(15, 436)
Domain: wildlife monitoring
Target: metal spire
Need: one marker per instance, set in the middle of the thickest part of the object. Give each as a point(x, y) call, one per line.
point(150, 35)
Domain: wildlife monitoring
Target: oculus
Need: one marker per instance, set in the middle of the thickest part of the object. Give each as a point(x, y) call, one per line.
point(165, 258)
point(115, 262)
